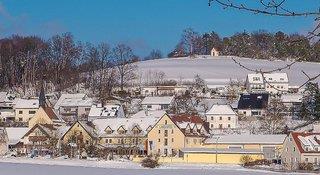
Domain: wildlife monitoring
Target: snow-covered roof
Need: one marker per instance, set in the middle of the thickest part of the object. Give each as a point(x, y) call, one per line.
point(68, 96)
point(157, 100)
point(247, 139)
point(144, 113)
point(106, 111)
point(291, 98)
point(71, 102)
point(269, 77)
point(143, 123)
point(221, 110)
point(15, 134)
point(27, 103)
point(227, 150)
point(3, 96)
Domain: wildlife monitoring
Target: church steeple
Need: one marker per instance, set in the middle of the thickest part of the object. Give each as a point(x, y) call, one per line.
point(42, 97)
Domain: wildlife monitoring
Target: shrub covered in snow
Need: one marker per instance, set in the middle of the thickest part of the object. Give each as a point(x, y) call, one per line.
point(150, 162)
point(306, 166)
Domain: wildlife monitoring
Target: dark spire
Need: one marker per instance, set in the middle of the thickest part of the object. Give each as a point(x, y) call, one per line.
point(42, 96)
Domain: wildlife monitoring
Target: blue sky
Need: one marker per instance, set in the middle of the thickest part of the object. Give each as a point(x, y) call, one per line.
point(143, 24)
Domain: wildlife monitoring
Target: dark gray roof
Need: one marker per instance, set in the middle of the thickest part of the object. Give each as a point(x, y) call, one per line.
point(253, 101)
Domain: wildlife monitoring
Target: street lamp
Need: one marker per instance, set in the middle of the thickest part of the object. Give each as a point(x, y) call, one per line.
point(216, 138)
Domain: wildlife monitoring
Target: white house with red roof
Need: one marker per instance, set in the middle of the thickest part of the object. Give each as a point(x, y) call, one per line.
point(301, 147)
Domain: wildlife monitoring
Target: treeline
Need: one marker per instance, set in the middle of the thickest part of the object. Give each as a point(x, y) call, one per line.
point(26, 61)
point(259, 45)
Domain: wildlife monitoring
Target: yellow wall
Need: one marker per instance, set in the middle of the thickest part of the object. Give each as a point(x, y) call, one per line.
point(40, 117)
point(76, 129)
point(25, 116)
point(221, 158)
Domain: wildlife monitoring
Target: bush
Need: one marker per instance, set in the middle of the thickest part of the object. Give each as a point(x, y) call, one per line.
point(149, 162)
point(245, 160)
point(306, 166)
point(259, 162)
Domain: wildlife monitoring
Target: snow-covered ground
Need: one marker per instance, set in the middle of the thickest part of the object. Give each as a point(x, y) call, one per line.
point(219, 70)
point(25, 166)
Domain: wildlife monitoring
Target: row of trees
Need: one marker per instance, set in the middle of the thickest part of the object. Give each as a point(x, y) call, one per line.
point(24, 61)
point(260, 45)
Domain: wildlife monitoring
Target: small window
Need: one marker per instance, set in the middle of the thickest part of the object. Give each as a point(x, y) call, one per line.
point(20, 119)
point(211, 125)
point(32, 112)
point(159, 140)
point(172, 131)
point(165, 142)
point(166, 133)
point(110, 140)
point(172, 140)
point(294, 149)
point(107, 140)
point(159, 131)
point(20, 112)
point(211, 118)
point(229, 118)
point(229, 125)
point(220, 118)
point(165, 122)
point(306, 159)
point(149, 106)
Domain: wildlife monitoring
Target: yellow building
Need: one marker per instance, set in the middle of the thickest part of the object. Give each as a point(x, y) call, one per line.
point(170, 134)
point(45, 115)
point(125, 136)
point(220, 156)
point(269, 145)
point(25, 109)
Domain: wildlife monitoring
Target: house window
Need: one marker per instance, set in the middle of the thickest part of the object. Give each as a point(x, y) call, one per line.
point(306, 159)
point(165, 122)
point(316, 160)
point(220, 126)
point(211, 118)
point(20, 119)
point(165, 152)
point(195, 141)
point(294, 149)
point(165, 142)
point(229, 118)
point(159, 131)
point(172, 140)
point(211, 125)
point(187, 141)
point(159, 140)
point(229, 126)
point(172, 131)
point(107, 140)
point(166, 133)
point(220, 118)
point(20, 112)
point(149, 106)
point(110, 140)
point(119, 141)
point(244, 112)
point(32, 112)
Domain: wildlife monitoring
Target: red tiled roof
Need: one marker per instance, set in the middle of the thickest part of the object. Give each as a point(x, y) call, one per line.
point(298, 142)
point(51, 114)
point(187, 118)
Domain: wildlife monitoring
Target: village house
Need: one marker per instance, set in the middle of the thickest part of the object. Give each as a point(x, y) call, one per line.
point(73, 107)
point(270, 82)
point(81, 134)
point(301, 147)
point(25, 109)
point(107, 111)
point(14, 135)
point(157, 103)
point(7, 102)
point(41, 139)
point(292, 102)
point(163, 90)
point(171, 134)
point(254, 104)
point(125, 136)
point(222, 117)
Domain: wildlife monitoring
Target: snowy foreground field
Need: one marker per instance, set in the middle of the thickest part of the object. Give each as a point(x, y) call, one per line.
point(219, 70)
point(19, 166)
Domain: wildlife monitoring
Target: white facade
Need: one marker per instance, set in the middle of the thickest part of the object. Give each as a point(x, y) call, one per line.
point(25, 109)
point(222, 117)
point(271, 82)
point(157, 103)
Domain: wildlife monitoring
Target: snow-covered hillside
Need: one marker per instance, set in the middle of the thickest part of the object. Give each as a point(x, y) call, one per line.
point(219, 70)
